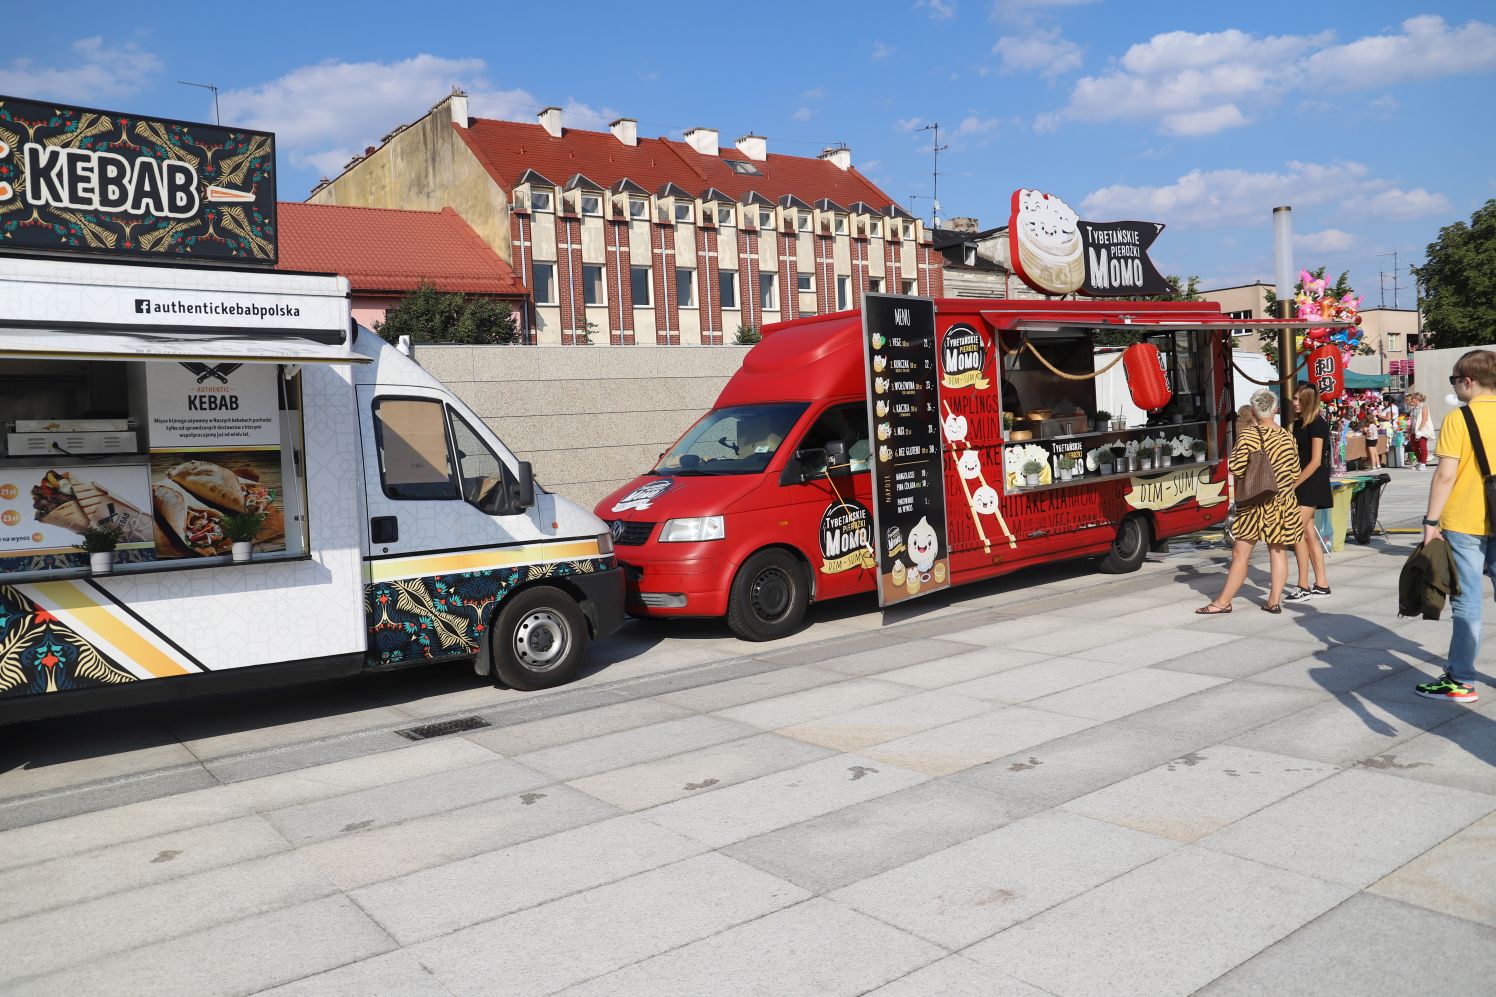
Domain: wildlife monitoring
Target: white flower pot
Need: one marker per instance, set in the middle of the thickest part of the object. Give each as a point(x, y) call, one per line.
point(1199, 458)
point(243, 550)
point(1031, 479)
point(1165, 461)
point(102, 562)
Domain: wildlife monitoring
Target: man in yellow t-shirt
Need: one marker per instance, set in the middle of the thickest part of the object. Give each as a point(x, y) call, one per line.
point(1457, 510)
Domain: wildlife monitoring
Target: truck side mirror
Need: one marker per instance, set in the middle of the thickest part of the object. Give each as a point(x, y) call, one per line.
point(836, 454)
point(809, 463)
point(522, 488)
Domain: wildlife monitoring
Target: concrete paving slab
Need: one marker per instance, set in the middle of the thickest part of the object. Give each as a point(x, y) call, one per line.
point(845, 846)
point(1201, 792)
point(40, 761)
point(1374, 946)
point(751, 688)
point(281, 723)
point(639, 787)
point(362, 857)
point(1224, 711)
point(1122, 695)
point(962, 667)
point(230, 958)
point(1243, 658)
point(825, 650)
point(818, 947)
point(1339, 669)
point(520, 738)
point(1155, 643)
point(439, 900)
point(965, 743)
point(724, 816)
point(615, 925)
point(899, 656)
point(957, 976)
point(880, 722)
point(1162, 930)
point(629, 747)
point(62, 803)
point(977, 888)
point(1028, 682)
point(394, 974)
point(812, 704)
point(1459, 752)
point(1339, 829)
point(1455, 877)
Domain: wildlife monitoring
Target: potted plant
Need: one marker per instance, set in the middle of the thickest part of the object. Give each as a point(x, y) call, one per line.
point(1103, 420)
point(1067, 468)
point(1199, 448)
point(99, 541)
point(242, 528)
point(1165, 454)
point(1031, 471)
point(1104, 460)
point(1145, 456)
point(1008, 419)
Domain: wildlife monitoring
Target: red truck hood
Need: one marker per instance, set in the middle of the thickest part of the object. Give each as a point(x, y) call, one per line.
point(654, 499)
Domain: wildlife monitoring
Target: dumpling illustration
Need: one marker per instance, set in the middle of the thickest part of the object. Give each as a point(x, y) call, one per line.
point(885, 454)
point(955, 427)
point(880, 384)
point(879, 363)
point(922, 545)
point(896, 573)
point(884, 430)
point(881, 408)
point(984, 500)
point(970, 465)
point(878, 340)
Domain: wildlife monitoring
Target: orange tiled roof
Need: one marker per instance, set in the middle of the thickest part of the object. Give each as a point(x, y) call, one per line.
point(383, 249)
point(508, 148)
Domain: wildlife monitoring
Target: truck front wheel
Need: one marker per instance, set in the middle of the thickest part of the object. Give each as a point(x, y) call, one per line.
point(539, 639)
point(768, 596)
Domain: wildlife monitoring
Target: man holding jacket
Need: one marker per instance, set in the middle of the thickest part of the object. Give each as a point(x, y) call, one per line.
point(1457, 511)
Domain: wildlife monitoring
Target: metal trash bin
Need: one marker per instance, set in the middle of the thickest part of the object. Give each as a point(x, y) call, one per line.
point(1366, 505)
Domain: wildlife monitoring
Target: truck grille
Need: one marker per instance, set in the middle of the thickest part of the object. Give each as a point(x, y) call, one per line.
point(630, 534)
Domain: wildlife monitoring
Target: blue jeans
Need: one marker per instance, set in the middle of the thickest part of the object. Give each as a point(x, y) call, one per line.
point(1474, 557)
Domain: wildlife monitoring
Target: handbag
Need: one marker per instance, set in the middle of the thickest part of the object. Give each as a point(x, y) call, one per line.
point(1259, 483)
point(1487, 479)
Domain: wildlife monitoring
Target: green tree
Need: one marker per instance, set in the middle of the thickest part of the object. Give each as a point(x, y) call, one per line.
point(427, 315)
point(747, 335)
point(1458, 280)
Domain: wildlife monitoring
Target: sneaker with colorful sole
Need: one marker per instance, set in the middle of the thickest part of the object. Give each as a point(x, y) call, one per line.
point(1445, 687)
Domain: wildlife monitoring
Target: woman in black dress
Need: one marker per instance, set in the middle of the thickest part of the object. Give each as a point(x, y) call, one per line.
point(1311, 431)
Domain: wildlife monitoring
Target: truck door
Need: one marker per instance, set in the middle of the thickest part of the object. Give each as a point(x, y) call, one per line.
point(832, 511)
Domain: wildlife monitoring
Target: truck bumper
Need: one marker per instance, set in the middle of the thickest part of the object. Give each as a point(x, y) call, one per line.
point(677, 588)
point(604, 593)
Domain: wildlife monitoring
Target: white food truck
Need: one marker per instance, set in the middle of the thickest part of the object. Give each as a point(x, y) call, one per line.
point(287, 496)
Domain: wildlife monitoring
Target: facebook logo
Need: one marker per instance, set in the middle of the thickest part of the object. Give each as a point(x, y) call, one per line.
point(142, 306)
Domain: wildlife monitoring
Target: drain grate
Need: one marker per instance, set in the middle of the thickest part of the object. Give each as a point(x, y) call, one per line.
point(457, 726)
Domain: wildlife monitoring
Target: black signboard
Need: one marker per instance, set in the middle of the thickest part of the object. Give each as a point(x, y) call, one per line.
point(900, 351)
point(80, 180)
point(1117, 260)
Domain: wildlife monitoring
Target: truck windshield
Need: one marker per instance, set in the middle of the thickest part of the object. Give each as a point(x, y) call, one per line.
point(741, 439)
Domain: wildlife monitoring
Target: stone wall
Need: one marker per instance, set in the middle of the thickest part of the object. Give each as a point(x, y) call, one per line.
point(588, 419)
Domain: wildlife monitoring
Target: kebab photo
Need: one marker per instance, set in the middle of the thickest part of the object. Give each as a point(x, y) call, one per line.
point(197, 494)
point(62, 501)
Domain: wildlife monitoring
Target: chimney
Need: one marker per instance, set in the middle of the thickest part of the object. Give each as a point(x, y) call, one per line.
point(839, 156)
point(755, 147)
point(458, 102)
point(703, 140)
point(961, 224)
point(369, 150)
point(625, 130)
point(550, 120)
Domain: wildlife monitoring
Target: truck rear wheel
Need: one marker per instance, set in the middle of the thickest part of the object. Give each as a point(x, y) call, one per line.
point(768, 596)
point(539, 639)
point(1130, 548)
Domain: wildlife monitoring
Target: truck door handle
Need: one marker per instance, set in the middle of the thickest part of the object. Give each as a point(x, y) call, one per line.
point(384, 529)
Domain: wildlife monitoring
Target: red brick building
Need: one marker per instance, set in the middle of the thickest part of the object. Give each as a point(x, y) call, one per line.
point(649, 240)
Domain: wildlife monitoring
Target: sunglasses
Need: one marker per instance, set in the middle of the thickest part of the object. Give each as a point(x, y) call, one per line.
point(1457, 378)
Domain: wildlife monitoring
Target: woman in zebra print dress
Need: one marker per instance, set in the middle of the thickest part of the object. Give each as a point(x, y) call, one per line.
point(1275, 519)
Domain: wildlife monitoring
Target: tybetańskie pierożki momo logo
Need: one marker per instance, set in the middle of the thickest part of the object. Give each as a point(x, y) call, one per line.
point(963, 358)
point(846, 537)
point(1054, 251)
point(643, 496)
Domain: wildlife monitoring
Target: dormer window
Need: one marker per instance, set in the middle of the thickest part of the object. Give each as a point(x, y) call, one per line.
point(638, 207)
point(592, 204)
point(839, 224)
point(740, 166)
point(803, 223)
point(875, 228)
point(724, 214)
point(766, 217)
point(540, 200)
point(909, 230)
point(683, 211)
point(971, 256)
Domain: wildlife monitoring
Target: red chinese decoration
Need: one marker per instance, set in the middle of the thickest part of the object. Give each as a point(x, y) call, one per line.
point(1326, 373)
point(1145, 376)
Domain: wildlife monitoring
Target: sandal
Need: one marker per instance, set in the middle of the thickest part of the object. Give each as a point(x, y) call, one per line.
point(1211, 609)
point(1276, 607)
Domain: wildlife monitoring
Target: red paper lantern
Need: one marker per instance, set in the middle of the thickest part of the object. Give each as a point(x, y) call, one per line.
point(1145, 376)
point(1326, 373)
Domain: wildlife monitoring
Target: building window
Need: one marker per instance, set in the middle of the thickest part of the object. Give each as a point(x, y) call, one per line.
point(682, 211)
point(725, 215)
point(875, 228)
point(804, 221)
point(839, 225)
point(593, 285)
point(875, 285)
point(638, 207)
point(685, 287)
point(843, 293)
point(768, 291)
point(545, 283)
point(766, 217)
point(969, 255)
point(805, 282)
point(1394, 342)
point(909, 230)
point(592, 204)
point(910, 286)
point(540, 200)
point(728, 295)
point(642, 287)
point(739, 166)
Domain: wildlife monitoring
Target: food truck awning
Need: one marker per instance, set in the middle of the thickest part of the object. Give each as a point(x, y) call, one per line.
point(1006, 320)
point(143, 344)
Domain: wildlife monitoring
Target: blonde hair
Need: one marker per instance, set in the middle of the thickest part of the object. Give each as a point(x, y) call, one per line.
point(1308, 400)
point(1263, 403)
point(1245, 420)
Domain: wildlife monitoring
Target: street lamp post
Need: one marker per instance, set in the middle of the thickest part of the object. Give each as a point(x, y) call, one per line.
point(1283, 269)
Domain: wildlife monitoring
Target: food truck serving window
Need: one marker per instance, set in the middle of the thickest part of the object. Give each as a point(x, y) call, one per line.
point(165, 454)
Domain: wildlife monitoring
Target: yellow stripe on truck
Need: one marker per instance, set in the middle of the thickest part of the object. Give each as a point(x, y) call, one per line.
point(105, 620)
point(423, 565)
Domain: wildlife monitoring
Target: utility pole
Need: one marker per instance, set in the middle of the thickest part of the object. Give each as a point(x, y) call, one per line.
point(207, 86)
point(937, 149)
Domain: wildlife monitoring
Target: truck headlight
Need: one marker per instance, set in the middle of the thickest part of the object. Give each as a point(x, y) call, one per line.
point(692, 530)
point(605, 543)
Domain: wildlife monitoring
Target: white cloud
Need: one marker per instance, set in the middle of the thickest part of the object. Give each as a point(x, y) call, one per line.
point(1027, 10)
point(94, 73)
point(1384, 106)
point(974, 124)
point(940, 10)
point(908, 124)
point(1193, 83)
point(882, 51)
point(802, 114)
point(1217, 198)
point(1330, 240)
point(815, 93)
point(1045, 52)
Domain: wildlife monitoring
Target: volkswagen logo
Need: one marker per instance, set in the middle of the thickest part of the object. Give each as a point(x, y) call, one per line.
point(617, 528)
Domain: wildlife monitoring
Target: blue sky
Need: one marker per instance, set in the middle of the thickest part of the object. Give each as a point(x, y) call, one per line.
point(1375, 120)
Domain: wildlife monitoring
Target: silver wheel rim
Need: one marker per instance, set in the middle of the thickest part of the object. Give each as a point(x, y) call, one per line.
point(541, 640)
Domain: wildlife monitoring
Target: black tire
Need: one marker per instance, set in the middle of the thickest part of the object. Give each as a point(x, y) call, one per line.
point(768, 597)
point(538, 640)
point(1130, 548)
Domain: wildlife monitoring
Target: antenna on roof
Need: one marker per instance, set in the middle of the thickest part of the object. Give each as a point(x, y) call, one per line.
point(937, 149)
point(207, 86)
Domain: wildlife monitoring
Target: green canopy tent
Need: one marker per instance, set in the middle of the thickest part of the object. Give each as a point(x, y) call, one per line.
point(1355, 381)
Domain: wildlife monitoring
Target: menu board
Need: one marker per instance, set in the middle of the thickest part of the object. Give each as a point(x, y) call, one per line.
point(899, 351)
point(44, 510)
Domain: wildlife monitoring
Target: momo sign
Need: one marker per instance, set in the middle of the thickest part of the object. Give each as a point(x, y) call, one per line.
point(78, 180)
point(1053, 251)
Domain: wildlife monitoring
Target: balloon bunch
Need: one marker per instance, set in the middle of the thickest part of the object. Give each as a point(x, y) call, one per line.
point(1313, 303)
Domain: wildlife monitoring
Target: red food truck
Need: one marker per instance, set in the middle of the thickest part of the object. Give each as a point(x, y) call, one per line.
point(763, 505)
